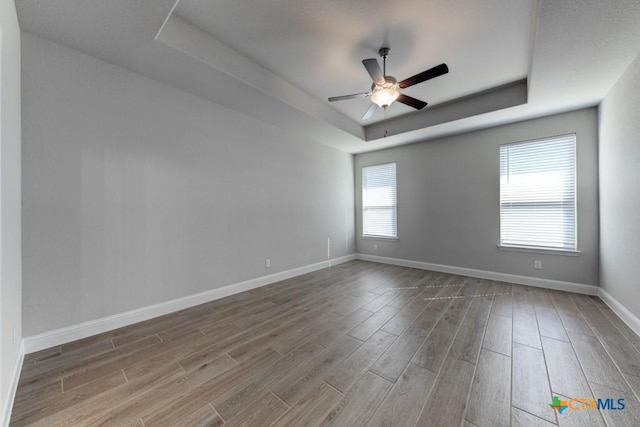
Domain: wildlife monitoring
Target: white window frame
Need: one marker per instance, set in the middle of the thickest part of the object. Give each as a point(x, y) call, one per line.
point(528, 198)
point(385, 202)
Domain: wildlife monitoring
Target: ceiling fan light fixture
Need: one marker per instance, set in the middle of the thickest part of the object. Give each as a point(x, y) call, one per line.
point(383, 95)
point(386, 89)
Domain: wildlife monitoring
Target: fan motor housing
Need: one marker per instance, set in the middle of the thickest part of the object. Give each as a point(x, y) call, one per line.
point(390, 82)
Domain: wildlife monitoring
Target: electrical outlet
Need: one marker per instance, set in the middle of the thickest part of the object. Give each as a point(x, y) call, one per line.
point(537, 264)
point(267, 263)
point(328, 247)
point(375, 246)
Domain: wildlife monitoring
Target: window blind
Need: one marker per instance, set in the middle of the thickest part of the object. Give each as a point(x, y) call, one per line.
point(538, 193)
point(379, 201)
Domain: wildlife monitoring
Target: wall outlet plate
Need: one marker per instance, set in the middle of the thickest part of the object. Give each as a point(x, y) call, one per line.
point(537, 265)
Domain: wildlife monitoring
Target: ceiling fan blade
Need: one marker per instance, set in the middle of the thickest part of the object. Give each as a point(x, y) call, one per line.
point(355, 95)
point(411, 102)
point(372, 109)
point(374, 70)
point(436, 71)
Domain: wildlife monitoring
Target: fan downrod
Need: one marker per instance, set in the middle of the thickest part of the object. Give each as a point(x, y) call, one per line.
point(384, 51)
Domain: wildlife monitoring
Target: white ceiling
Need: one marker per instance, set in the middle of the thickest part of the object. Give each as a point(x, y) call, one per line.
point(318, 46)
point(279, 60)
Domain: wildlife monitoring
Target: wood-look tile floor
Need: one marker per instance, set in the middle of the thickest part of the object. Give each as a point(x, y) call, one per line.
point(357, 344)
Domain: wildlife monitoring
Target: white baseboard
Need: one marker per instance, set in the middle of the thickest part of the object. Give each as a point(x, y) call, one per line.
point(623, 313)
point(490, 275)
point(7, 403)
point(64, 335)
point(93, 327)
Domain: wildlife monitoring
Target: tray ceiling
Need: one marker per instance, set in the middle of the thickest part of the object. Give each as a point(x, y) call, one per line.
point(279, 60)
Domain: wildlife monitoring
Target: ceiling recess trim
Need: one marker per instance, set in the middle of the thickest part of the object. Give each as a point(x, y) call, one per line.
point(495, 99)
point(186, 38)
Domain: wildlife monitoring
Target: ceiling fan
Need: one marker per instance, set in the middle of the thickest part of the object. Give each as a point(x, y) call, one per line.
point(386, 89)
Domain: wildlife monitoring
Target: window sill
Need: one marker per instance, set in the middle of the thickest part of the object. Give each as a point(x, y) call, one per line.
point(534, 250)
point(368, 237)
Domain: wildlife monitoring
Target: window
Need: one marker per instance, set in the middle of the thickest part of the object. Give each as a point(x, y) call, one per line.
point(379, 204)
point(538, 193)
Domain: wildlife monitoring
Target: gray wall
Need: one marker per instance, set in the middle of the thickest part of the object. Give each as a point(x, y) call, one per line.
point(10, 249)
point(448, 201)
point(137, 193)
point(619, 151)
